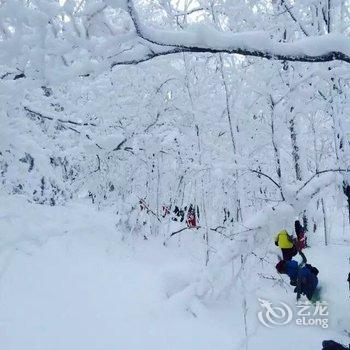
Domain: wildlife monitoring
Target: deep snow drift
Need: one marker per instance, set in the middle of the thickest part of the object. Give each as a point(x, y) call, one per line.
point(68, 281)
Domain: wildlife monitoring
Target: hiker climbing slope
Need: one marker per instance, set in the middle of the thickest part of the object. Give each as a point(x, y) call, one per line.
point(287, 244)
point(303, 277)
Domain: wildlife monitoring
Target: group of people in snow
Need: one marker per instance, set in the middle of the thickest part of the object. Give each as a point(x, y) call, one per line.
point(302, 276)
point(189, 214)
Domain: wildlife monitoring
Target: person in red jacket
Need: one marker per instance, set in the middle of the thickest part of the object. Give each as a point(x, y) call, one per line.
point(301, 235)
point(191, 220)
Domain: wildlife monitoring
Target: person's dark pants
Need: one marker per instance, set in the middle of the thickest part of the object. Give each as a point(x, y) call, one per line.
point(288, 253)
point(310, 286)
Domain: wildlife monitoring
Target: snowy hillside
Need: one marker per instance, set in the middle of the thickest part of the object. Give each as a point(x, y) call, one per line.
point(69, 282)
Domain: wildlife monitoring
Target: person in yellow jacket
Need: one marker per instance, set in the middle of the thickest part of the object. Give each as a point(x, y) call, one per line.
point(287, 244)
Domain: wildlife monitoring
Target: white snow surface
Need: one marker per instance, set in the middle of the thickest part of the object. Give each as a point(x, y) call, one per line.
point(68, 281)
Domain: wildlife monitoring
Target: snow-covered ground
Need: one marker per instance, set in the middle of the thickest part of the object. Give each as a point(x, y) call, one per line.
point(68, 281)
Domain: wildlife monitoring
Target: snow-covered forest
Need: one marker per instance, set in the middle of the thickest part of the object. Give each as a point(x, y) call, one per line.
point(150, 152)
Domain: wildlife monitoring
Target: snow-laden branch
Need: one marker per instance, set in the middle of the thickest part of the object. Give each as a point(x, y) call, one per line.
point(308, 188)
point(203, 38)
point(41, 45)
point(318, 173)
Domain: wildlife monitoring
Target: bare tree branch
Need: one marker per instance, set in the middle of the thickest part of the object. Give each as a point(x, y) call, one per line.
point(318, 173)
point(63, 123)
point(40, 115)
point(120, 145)
point(147, 207)
point(265, 175)
point(183, 229)
point(153, 123)
point(293, 17)
point(98, 164)
point(15, 76)
point(190, 12)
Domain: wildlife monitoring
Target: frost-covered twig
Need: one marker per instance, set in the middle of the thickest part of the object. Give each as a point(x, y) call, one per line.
point(190, 12)
point(147, 207)
point(261, 258)
point(231, 236)
point(280, 280)
point(219, 230)
point(288, 8)
point(63, 122)
point(153, 123)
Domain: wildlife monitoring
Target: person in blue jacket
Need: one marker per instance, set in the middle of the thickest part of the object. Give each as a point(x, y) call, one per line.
point(304, 277)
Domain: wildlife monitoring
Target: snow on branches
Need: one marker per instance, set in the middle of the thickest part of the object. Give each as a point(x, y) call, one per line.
point(48, 42)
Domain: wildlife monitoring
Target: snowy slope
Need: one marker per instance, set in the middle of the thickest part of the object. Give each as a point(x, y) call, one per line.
point(68, 282)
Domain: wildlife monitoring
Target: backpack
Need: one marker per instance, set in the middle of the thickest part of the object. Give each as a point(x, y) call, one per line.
point(312, 269)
